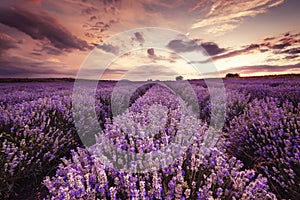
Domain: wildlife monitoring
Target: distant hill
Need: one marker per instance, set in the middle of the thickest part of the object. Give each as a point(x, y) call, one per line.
point(24, 80)
point(28, 80)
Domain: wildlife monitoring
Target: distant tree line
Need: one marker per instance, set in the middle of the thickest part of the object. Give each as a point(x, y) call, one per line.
point(232, 75)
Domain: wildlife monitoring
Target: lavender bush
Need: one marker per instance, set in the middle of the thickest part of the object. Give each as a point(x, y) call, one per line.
point(214, 176)
point(34, 135)
point(266, 138)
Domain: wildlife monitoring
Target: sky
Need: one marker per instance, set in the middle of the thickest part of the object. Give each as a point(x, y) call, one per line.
point(59, 38)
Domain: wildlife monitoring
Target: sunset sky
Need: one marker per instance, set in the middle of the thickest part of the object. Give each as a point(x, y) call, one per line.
point(53, 38)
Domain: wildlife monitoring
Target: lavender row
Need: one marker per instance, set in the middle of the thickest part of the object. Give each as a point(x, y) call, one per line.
point(37, 129)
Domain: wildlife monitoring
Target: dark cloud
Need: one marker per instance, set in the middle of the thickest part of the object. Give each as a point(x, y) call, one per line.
point(52, 51)
point(41, 27)
point(285, 42)
point(290, 40)
point(92, 30)
point(99, 26)
point(8, 70)
point(244, 50)
point(36, 53)
point(45, 47)
point(89, 35)
point(184, 46)
point(16, 67)
point(138, 36)
point(278, 47)
point(6, 42)
point(151, 52)
point(251, 47)
point(292, 51)
point(281, 46)
point(93, 18)
point(171, 59)
point(192, 45)
point(212, 48)
point(291, 57)
point(109, 48)
point(269, 38)
point(89, 11)
point(295, 35)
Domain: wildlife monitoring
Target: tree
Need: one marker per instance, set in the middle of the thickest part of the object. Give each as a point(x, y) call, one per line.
point(179, 78)
point(231, 75)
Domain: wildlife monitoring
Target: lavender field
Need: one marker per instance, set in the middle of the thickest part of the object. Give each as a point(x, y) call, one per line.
point(256, 156)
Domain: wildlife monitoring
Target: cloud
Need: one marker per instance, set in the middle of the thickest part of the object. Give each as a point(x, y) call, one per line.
point(151, 52)
point(16, 66)
point(99, 26)
point(278, 47)
point(198, 5)
point(291, 57)
point(109, 48)
point(269, 38)
point(191, 45)
point(42, 27)
point(285, 42)
point(243, 51)
point(184, 46)
point(6, 43)
point(281, 46)
point(94, 29)
point(266, 68)
point(156, 58)
point(93, 18)
point(115, 71)
point(138, 36)
point(212, 48)
point(89, 10)
point(260, 68)
point(152, 70)
point(292, 51)
point(46, 47)
point(226, 15)
point(142, 72)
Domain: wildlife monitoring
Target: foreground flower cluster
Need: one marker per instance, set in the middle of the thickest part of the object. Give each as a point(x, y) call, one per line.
point(214, 176)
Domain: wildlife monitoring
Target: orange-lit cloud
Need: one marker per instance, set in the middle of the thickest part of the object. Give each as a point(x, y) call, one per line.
point(226, 15)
